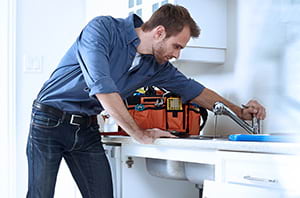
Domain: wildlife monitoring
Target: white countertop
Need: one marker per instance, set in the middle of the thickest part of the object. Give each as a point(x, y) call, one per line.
point(214, 144)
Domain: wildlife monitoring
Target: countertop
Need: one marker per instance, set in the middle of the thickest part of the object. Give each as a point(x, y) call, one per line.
point(214, 144)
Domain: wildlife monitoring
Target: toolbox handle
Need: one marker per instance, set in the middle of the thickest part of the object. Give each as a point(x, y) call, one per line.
point(150, 100)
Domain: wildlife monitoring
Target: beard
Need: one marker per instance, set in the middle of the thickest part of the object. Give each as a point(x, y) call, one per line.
point(158, 52)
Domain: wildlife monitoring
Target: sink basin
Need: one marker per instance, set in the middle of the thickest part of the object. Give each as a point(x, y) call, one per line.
point(178, 170)
point(168, 169)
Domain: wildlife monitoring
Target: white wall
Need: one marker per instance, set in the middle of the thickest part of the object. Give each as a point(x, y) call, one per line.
point(262, 56)
point(113, 8)
point(45, 29)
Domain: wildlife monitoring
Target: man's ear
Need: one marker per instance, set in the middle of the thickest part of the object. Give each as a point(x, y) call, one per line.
point(159, 32)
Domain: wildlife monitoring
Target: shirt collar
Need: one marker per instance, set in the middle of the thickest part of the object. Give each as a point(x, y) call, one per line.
point(131, 22)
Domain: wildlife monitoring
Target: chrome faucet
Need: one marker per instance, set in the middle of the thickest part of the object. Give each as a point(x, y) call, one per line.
point(221, 109)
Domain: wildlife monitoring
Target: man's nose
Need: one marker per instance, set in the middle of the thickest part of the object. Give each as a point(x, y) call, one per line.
point(176, 54)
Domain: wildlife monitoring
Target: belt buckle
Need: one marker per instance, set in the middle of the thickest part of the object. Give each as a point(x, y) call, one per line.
point(73, 116)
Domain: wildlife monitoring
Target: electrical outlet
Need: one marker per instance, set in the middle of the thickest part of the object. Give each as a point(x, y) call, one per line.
point(32, 64)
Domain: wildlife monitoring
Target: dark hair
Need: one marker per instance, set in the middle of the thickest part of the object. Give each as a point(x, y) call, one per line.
point(174, 18)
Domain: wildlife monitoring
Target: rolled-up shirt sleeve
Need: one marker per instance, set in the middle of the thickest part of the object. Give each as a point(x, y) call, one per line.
point(173, 80)
point(93, 46)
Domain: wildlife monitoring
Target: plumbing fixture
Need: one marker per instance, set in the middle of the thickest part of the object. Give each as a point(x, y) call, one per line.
point(220, 108)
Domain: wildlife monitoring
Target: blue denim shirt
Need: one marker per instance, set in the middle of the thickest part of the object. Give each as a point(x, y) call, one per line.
point(99, 62)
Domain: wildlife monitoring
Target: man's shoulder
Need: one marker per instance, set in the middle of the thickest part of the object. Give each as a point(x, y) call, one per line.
point(107, 20)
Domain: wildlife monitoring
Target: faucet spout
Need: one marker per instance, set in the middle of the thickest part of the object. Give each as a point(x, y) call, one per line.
point(220, 108)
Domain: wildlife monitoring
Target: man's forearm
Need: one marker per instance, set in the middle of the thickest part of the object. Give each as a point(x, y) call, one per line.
point(114, 105)
point(207, 99)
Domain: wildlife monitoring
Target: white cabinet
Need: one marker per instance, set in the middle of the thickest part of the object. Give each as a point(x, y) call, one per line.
point(211, 16)
point(257, 171)
point(241, 169)
point(214, 189)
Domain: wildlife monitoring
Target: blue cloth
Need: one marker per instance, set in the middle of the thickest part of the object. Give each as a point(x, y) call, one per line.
point(49, 141)
point(99, 62)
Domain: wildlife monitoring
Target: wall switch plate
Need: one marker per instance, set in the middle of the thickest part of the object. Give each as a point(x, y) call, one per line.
point(32, 64)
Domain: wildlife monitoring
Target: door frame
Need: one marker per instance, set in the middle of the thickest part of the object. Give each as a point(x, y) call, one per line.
point(8, 97)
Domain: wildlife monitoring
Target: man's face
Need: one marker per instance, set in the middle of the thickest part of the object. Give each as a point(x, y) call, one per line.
point(167, 48)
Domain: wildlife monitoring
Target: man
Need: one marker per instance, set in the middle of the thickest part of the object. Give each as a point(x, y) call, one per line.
point(110, 59)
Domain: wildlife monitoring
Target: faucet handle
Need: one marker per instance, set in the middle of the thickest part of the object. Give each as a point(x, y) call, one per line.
point(256, 125)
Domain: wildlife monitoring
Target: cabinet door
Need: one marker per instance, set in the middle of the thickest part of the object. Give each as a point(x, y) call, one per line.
point(263, 170)
point(211, 16)
point(214, 189)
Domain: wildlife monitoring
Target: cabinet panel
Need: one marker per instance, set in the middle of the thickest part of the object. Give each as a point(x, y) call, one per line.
point(205, 55)
point(263, 170)
point(217, 189)
point(259, 173)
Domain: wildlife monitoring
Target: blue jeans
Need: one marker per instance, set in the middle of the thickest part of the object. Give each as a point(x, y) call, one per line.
point(49, 141)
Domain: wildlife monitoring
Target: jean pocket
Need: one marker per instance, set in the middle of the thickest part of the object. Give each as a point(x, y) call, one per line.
point(44, 120)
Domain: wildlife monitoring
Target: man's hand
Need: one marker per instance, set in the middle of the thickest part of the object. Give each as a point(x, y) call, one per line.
point(253, 108)
point(148, 136)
